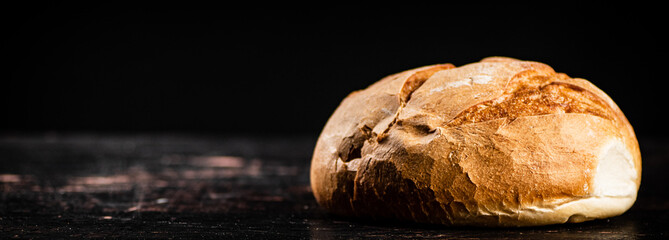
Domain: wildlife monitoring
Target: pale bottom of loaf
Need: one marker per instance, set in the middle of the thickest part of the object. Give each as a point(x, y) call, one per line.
point(614, 192)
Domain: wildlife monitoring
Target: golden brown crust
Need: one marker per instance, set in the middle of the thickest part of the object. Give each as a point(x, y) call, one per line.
point(502, 142)
point(547, 98)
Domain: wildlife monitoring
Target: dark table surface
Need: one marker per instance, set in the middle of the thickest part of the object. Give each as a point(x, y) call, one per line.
point(85, 185)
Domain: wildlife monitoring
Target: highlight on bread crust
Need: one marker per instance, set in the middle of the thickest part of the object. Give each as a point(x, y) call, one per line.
point(500, 142)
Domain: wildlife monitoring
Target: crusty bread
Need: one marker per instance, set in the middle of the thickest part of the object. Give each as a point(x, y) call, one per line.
point(500, 142)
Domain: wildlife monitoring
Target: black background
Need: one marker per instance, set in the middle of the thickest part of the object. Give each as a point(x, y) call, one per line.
point(277, 69)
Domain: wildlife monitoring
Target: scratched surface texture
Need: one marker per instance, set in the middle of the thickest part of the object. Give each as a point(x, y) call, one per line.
point(181, 186)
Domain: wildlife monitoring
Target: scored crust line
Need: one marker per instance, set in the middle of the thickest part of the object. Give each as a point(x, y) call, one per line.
point(411, 84)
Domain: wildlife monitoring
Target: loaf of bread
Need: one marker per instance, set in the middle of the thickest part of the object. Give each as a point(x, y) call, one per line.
point(500, 142)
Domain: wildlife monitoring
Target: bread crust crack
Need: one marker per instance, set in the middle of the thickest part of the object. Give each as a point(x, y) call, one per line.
point(411, 84)
point(529, 100)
